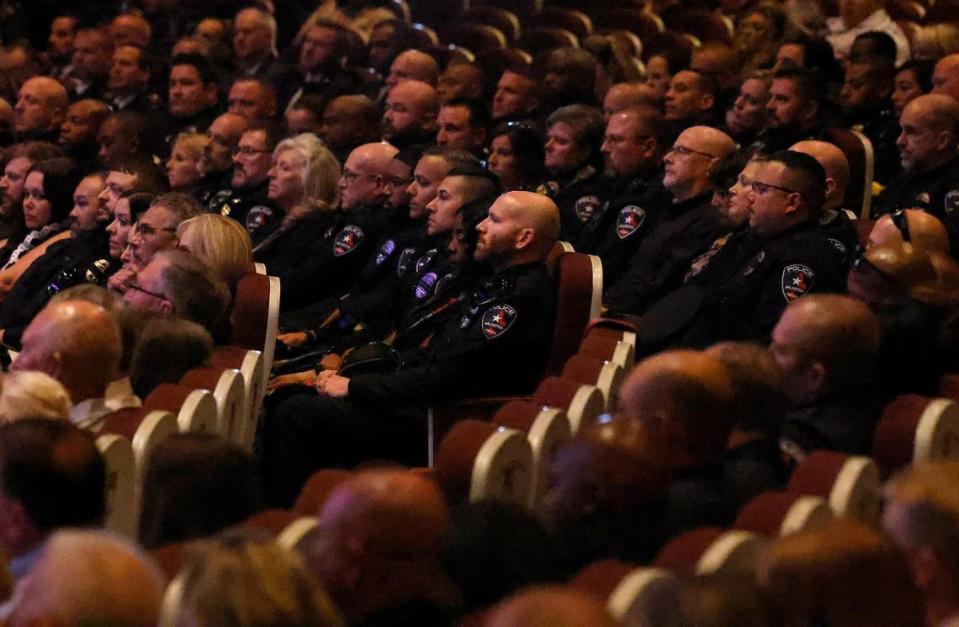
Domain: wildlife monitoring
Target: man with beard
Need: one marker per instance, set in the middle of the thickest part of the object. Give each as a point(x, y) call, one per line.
point(216, 163)
point(794, 110)
point(866, 103)
point(349, 121)
point(410, 115)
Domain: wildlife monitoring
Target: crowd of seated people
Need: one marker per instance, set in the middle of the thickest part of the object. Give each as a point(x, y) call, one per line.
point(770, 187)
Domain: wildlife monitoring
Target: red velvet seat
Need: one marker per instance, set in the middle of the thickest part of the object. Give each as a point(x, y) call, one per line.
point(859, 152)
point(573, 20)
point(780, 513)
point(543, 39)
point(708, 550)
point(915, 428)
point(506, 21)
point(849, 483)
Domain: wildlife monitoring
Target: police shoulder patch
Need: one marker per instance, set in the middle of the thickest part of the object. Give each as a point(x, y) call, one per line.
point(257, 217)
point(385, 251)
point(586, 207)
point(424, 287)
point(797, 279)
point(444, 282)
point(630, 218)
point(347, 240)
point(497, 320)
point(951, 202)
point(426, 259)
point(406, 257)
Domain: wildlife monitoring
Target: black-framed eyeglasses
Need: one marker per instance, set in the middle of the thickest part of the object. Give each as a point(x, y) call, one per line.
point(763, 188)
point(246, 151)
point(145, 230)
point(901, 222)
point(686, 151)
point(136, 288)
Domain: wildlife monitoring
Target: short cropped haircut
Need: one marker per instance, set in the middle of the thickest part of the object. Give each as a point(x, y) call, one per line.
point(809, 83)
point(479, 116)
point(808, 173)
point(455, 157)
point(202, 65)
point(196, 292)
point(182, 205)
point(587, 124)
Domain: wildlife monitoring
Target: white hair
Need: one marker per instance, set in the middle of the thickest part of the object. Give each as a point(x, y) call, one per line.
point(32, 394)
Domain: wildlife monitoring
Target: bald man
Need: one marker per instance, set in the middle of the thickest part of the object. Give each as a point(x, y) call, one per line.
point(349, 121)
point(381, 517)
point(410, 114)
point(836, 222)
point(684, 402)
point(684, 222)
point(216, 162)
point(340, 254)
point(828, 348)
point(90, 577)
point(930, 163)
point(496, 343)
point(413, 65)
point(41, 107)
point(550, 607)
point(945, 77)
point(80, 128)
point(77, 343)
point(623, 96)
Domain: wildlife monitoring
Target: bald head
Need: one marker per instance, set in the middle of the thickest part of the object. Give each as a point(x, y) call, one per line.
point(945, 77)
point(411, 108)
point(926, 232)
point(41, 105)
point(622, 96)
point(834, 162)
point(365, 175)
point(91, 578)
point(522, 227)
point(824, 341)
point(930, 131)
point(374, 519)
point(550, 607)
point(684, 400)
point(687, 175)
point(413, 65)
point(75, 342)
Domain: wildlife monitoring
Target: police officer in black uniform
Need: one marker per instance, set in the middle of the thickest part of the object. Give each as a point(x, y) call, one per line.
point(687, 227)
point(930, 163)
point(634, 145)
point(574, 164)
point(216, 162)
point(783, 256)
point(795, 110)
point(245, 199)
point(498, 343)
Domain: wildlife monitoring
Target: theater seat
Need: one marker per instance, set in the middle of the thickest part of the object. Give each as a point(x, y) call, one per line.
point(272, 521)
point(480, 461)
point(121, 501)
point(256, 314)
point(705, 26)
point(476, 37)
point(543, 39)
point(572, 20)
point(859, 152)
point(639, 21)
point(609, 348)
point(582, 404)
point(605, 375)
point(229, 394)
point(250, 365)
point(195, 410)
point(296, 531)
point(709, 550)
point(914, 429)
point(863, 228)
point(579, 284)
point(849, 483)
point(546, 429)
point(317, 489)
point(633, 596)
point(780, 513)
point(144, 429)
point(506, 21)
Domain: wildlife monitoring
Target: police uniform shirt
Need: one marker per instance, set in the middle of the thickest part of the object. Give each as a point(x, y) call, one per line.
point(684, 230)
point(497, 343)
point(249, 206)
point(615, 231)
point(935, 191)
point(754, 278)
point(577, 197)
point(840, 231)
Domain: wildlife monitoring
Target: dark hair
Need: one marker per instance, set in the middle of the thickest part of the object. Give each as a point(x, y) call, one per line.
point(314, 103)
point(724, 173)
point(817, 55)
point(139, 202)
point(810, 175)
point(55, 470)
point(341, 45)
point(272, 130)
point(60, 179)
point(167, 348)
point(138, 125)
point(587, 124)
point(150, 177)
point(922, 69)
point(195, 485)
point(809, 83)
point(455, 157)
point(677, 56)
point(479, 116)
point(883, 45)
point(527, 145)
point(202, 65)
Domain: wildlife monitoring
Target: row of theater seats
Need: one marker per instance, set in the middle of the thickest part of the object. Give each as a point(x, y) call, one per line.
point(222, 398)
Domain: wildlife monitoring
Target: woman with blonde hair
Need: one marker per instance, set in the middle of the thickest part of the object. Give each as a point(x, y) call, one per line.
point(30, 394)
point(221, 242)
point(181, 167)
point(245, 579)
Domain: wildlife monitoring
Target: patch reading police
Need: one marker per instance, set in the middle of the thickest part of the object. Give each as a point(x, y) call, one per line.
point(385, 251)
point(586, 207)
point(347, 240)
point(629, 219)
point(951, 202)
point(426, 259)
point(796, 281)
point(497, 320)
point(258, 217)
point(406, 257)
point(425, 285)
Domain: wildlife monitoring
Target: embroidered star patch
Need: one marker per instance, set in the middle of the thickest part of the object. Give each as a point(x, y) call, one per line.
point(629, 219)
point(257, 217)
point(497, 320)
point(347, 240)
point(797, 279)
point(586, 207)
point(951, 202)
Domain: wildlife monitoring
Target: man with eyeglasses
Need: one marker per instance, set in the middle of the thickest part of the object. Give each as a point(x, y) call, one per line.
point(629, 205)
point(245, 198)
point(155, 231)
point(216, 162)
point(686, 226)
point(930, 163)
point(783, 256)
